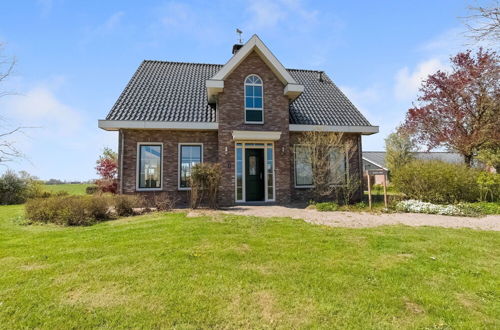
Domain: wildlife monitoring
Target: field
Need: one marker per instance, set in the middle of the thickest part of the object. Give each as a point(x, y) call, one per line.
point(169, 270)
point(72, 189)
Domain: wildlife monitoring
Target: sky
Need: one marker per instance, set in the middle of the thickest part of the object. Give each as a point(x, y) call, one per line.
point(73, 59)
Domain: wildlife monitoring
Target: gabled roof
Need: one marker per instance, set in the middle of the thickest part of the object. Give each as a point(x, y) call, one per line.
point(175, 92)
point(377, 158)
point(215, 84)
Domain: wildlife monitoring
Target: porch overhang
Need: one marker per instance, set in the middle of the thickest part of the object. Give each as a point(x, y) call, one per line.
point(256, 135)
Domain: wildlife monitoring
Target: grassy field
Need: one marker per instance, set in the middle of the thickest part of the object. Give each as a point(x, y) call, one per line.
point(72, 189)
point(167, 270)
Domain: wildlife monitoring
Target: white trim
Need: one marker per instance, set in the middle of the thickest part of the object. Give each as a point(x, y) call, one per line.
point(114, 125)
point(138, 166)
point(179, 148)
point(254, 43)
point(261, 85)
point(243, 153)
point(256, 136)
point(370, 161)
point(327, 128)
point(122, 148)
point(293, 90)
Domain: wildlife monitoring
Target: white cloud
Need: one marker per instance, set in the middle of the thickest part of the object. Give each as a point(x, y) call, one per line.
point(39, 107)
point(265, 14)
point(408, 82)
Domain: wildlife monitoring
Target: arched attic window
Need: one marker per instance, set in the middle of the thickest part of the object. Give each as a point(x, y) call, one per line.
point(254, 100)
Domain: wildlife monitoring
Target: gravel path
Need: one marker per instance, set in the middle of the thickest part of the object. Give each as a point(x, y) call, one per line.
point(365, 219)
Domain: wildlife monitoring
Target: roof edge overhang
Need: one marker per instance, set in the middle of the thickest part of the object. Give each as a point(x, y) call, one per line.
point(115, 125)
point(292, 88)
point(374, 163)
point(364, 130)
point(256, 135)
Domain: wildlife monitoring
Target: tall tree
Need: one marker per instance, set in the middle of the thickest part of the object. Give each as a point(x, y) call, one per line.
point(8, 150)
point(484, 22)
point(460, 109)
point(399, 147)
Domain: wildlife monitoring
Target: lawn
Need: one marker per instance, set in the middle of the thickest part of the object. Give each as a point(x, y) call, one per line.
point(168, 270)
point(72, 189)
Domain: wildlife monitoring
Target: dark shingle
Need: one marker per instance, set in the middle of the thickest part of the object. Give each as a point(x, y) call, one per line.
point(173, 91)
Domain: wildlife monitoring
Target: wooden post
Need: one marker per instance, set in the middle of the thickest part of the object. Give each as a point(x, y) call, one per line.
point(385, 189)
point(369, 190)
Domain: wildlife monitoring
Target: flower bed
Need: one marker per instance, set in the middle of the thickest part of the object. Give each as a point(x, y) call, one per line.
point(415, 206)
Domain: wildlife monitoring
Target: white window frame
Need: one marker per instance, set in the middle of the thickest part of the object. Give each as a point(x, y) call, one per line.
point(138, 165)
point(304, 186)
point(179, 159)
point(245, 99)
point(243, 147)
point(312, 186)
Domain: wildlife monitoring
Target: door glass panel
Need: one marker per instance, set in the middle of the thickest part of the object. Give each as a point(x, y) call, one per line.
point(252, 165)
point(270, 173)
point(239, 173)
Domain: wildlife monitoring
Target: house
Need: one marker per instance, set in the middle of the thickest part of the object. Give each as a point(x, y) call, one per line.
point(375, 160)
point(246, 115)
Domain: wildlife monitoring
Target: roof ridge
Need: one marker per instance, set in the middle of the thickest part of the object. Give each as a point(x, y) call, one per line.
point(180, 62)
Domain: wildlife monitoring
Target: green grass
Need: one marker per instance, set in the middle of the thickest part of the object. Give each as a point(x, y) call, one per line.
point(167, 270)
point(72, 189)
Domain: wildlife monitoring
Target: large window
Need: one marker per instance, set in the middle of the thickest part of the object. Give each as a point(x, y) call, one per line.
point(190, 155)
point(254, 105)
point(149, 166)
point(303, 166)
point(304, 172)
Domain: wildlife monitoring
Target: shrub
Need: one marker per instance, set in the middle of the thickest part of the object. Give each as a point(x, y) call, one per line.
point(91, 190)
point(163, 202)
point(69, 210)
point(484, 207)
point(437, 182)
point(414, 206)
point(125, 204)
point(327, 206)
point(12, 189)
point(489, 186)
point(204, 180)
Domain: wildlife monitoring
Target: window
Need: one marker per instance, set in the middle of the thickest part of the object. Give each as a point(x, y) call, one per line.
point(150, 166)
point(254, 105)
point(303, 166)
point(189, 155)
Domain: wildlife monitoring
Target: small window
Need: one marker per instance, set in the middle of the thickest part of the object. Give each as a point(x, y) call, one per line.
point(254, 101)
point(190, 155)
point(303, 166)
point(150, 167)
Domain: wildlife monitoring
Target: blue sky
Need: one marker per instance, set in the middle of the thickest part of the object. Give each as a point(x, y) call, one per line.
point(75, 57)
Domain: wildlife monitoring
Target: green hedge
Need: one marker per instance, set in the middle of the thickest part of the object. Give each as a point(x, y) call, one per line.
point(437, 182)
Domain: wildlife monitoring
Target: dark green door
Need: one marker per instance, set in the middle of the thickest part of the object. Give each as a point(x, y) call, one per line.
point(254, 174)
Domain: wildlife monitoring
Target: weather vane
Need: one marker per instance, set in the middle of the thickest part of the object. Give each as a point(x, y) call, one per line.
point(239, 32)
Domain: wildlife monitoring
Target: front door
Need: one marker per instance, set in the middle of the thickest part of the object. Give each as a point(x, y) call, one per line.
point(254, 174)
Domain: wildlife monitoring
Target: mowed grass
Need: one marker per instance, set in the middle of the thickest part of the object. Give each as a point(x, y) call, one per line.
point(72, 189)
point(168, 270)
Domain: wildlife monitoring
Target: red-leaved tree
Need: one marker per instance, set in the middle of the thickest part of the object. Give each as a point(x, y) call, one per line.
point(107, 168)
point(459, 109)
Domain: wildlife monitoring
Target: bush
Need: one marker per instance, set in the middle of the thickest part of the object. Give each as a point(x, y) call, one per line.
point(12, 189)
point(489, 185)
point(327, 206)
point(163, 202)
point(484, 207)
point(204, 180)
point(414, 206)
point(437, 182)
point(125, 204)
point(91, 190)
point(69, 210)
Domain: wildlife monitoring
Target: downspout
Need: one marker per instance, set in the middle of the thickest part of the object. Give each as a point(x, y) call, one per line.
point(360, 167)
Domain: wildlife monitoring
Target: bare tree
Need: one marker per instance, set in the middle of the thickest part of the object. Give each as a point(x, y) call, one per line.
point(327, 156)
point(484, 23)
point(8, 151)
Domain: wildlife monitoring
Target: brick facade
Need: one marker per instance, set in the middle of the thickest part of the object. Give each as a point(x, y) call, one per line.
point(220, 146)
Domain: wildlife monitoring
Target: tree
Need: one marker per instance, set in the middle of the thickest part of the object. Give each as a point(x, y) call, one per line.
point(399, 147)
point(484, 23)
point(490, 157)
point(328, 157)
point(107, 168)
point(460, 109)
point(8, 151)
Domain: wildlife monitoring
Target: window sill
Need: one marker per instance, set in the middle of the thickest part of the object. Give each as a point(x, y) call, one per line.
point(183, 189)
point(254, 122)
point(304, 187)
point(149, 189)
